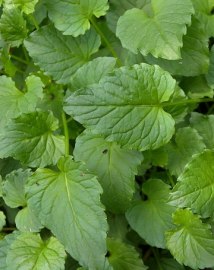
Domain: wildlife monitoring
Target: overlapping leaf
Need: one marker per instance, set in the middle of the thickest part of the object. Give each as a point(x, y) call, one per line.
point(127, 107)
point(115, 168)
point(195, 185)
point(70, 199)
point(72, 17)
point(30, 139)
point(159, 33)
point(191, 242)
point(27, 6)
point(61, 56)
point(28, 252)
point(152, 218)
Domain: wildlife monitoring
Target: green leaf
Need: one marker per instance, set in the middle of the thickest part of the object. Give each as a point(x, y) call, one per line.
point(13, 102)
point(203, 11)
point(194, 54)
point(191, 242)
point(115, 167)
point(92, 72)
point(13, 188)
point(61, 56)
point(29, 252)
point(210, 74)
point(124, 256)
point(41, 146)
point(27, 6)
point(76, 193)
point(195, 185)
point(127, 107)
point(152, 218)
point(2, 220)
point(186, 143)
point(4, 248)
point(155, 33)
point(26, 221)
point(204, 124)
point(166, 264)
point(13, 26)
point(72, 17)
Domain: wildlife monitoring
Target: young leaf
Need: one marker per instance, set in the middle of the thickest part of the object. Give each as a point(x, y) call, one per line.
point(13, 26)
point(72, 17)
point(115, 168)
point(124, 256)
point(127, 107)
point(152, 218)
point(204, 124)
point(61, 56)
point(70, 199)
point(195, 185)
point(41, 146)
point(28, 252)
point(2, 220)
point(92, 72)
point(13, 102)
point(187, 142)
point(27, 6)
point(191, 242)
point(159, 33)
point(13, 188)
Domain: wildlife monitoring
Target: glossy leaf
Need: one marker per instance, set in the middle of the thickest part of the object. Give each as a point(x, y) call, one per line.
point(155, 33)
point(70, 199)
point(41, 146)
point(195, 185)
point(127, 107)
point(28, 252)
point(72, 17)
point(191, 242)
point(152, 218)
point(61, 56)
point(115, 167)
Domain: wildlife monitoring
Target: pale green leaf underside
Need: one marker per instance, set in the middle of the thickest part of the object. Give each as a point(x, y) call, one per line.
point(68, 203)
point(13, 102)
point(186, 143)
point(152, 218)
point(159, 33)
point(194, 54)
point(72, 17)
point(13, 26)
point(115, 168)
point(123, 256)
point(29, 252)
point(127, 107)
point(195, 186)
point(61, 56)
point(204, 124)
point(27, 6)
point(13, 188)
point(34, 145)
point(92, 72)
point(192, 242)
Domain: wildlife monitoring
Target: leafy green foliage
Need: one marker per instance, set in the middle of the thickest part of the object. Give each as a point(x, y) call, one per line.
point(106, 134)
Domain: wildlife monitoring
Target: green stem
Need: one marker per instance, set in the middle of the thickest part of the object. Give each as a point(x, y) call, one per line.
point(157, 259)
point(34, 22)
point(171, 180)
point(18, 59)
point(188, 101)
point(105, 40)
point(66, 133)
